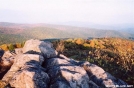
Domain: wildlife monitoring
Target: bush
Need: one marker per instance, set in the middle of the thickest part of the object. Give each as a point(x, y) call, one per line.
point(79, 41)
point(4, 47)
point(18, 45)
point(11, 47)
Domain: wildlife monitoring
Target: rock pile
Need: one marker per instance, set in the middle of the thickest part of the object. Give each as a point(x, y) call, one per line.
point(37, 65)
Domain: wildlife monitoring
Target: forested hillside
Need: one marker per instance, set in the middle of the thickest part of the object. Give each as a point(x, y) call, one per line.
point(11, 32)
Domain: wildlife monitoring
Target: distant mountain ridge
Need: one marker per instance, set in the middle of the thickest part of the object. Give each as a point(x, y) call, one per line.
point(13, 32)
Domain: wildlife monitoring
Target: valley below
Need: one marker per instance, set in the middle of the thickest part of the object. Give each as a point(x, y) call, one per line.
point(12, 32)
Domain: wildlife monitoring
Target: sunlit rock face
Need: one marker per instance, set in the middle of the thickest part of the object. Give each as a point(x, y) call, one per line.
point(44, 48)
point(31, 75)
point(6, 61)
point(99, 76)
point(18, 51)
point(37, 65)
point(67, 73)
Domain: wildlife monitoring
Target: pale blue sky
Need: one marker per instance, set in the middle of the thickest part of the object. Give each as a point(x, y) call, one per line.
point(104, 12)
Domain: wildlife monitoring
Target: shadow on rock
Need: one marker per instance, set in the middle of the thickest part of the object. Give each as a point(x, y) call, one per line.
point(30, 75)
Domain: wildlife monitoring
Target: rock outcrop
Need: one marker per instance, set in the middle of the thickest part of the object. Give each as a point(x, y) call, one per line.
point(44, 48)
point(6, 62)
point(37, 65)
point(65, 74)
point(28, 73)
point(99, 76)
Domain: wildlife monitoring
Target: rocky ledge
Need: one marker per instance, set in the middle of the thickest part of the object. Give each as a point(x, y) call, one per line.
point(38, 65)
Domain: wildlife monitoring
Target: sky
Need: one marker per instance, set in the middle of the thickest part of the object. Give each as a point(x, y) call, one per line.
point(108, 12)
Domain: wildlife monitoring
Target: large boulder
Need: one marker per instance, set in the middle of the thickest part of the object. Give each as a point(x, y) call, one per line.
point(6, 62)
point(99, 76)
point(8, 58)
point(31, 75)
point(65, 74)
point(44, 48)
point(20, 61)
point(18, 51)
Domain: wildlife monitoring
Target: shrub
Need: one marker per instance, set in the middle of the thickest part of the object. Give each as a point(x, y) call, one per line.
point(11, 47)
point(86, 45)
point(18, 45)
point(60, 47)
point(4, 47)
point(2, 84)
point(79, 41)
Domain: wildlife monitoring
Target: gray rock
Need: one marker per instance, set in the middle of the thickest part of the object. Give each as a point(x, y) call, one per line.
point(60, 84)
point(40, 47)
point(18, 51)
point(7, 60)
point(58, 62)
point(20, 61)
point(75, 62)
point(93, 85)
point(31, 75)
point(99, 76)
point(61, 70)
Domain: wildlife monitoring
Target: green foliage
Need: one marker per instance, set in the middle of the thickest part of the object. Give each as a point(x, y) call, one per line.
point(11, 47)
point(12, 33)
point(22, 44)
point(12, 38)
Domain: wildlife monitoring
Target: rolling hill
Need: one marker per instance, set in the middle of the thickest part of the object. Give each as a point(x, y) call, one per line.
point(12, 32)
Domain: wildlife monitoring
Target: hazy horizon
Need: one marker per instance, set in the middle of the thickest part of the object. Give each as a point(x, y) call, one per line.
point(101, 12)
